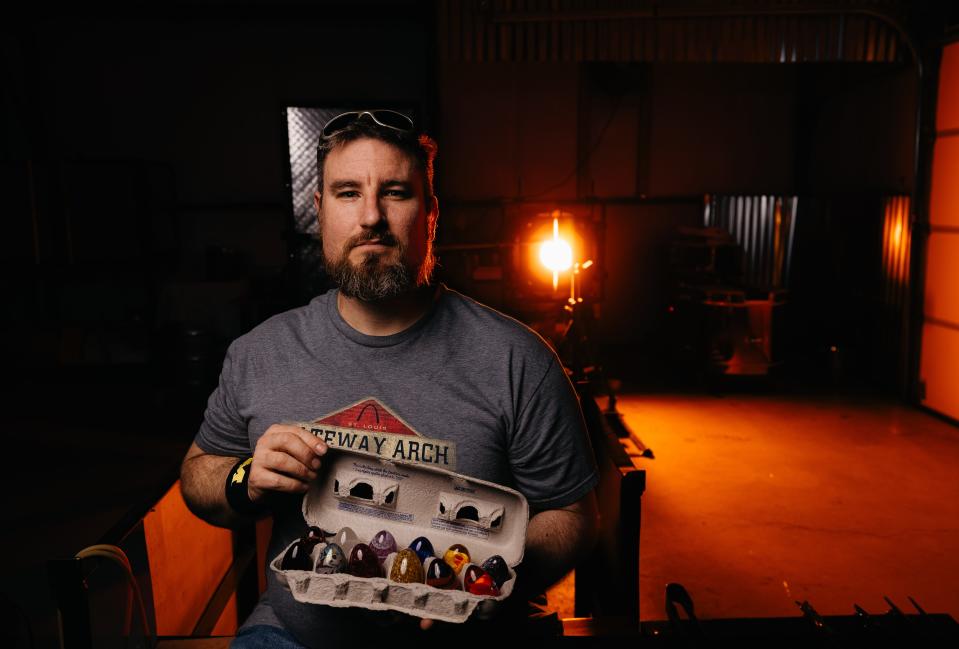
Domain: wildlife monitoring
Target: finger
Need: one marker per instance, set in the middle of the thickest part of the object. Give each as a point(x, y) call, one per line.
point(308, 438)
point(270, 481)
point(296, 443)
point(319, 446)
point(281, 462)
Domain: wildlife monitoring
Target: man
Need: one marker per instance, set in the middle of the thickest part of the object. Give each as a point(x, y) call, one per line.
point(482, 387)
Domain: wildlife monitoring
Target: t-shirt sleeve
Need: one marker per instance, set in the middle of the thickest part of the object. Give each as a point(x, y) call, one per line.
point(224, 429)
point(551, 457)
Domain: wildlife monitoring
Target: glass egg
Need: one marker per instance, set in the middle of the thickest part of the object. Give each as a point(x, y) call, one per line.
point(383, 544)
point(497, 568)
point(331, 559)
point(478, 582)
point(422, 547)
point(363, 562)
point(457, 556)
point(407, 568)
point(298, 557)
point(439, 574)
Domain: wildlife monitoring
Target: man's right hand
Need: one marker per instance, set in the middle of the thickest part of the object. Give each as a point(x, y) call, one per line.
point(286, 459)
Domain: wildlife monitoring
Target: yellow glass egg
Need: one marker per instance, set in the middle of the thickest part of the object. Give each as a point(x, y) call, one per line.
point(457, 556)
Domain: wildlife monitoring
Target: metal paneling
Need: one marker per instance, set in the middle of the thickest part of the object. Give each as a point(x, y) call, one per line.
point(764, 226)
point(303, 126)
point(893, 325)
point(633, 30)
point(896, 244)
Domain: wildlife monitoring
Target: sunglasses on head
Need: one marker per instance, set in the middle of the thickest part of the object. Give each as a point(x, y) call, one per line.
point(387, 118)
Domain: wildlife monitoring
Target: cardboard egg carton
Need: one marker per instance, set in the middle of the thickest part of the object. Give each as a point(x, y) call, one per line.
point(369, 494)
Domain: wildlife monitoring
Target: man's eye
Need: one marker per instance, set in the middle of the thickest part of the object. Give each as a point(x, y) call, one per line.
point(348, 194)
point(396, 193)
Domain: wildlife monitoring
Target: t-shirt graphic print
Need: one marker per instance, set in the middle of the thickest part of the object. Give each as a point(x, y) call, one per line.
point(370, 427)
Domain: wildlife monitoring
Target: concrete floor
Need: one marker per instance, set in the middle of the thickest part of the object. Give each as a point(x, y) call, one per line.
point(755, 501)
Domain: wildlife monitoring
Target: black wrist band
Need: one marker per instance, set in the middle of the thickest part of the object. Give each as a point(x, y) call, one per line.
point(236, 489)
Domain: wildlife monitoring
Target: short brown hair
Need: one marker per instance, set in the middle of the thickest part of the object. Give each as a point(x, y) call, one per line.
point(422, 148)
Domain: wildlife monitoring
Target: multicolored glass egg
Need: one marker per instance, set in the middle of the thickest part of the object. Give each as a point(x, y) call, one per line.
point(422, 547)
point(331, 559)
point(383, 544)
point(298, 557)
point(477, 581)
point(457, 556)
point(439, 574)
point(407, 568)
point(497, 568)
point(363, 562)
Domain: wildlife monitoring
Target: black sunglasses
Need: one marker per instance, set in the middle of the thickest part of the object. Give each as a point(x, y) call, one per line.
point(388, 118)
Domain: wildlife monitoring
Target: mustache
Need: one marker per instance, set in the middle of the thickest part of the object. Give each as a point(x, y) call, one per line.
point(384, 238)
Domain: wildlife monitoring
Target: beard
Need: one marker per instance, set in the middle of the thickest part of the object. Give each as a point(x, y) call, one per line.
point(379, 275)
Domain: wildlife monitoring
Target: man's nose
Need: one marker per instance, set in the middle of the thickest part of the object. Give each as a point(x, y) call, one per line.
point(372, 213)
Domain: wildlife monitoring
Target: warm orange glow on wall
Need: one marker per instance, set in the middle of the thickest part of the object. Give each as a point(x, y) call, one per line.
point(188, 559)
point(944, 198)
point(896, 244)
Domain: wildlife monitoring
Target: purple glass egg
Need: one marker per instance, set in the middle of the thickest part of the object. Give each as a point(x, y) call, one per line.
point(383, 544)
point(423, 548)
point(363, 562)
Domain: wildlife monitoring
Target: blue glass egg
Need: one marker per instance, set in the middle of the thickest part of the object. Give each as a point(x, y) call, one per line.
point(423, 548)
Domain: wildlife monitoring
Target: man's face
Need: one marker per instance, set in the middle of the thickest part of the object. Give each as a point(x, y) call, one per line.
point(374, 220)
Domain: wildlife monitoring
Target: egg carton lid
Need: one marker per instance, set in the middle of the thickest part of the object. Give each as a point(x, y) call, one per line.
point(368, 494)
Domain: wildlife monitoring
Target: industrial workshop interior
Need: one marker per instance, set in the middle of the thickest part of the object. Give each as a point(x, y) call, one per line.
point(736, 224)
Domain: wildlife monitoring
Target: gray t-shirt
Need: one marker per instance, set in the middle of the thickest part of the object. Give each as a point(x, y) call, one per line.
point(491, 397)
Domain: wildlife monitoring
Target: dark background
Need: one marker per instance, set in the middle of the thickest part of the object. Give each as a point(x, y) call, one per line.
point(146, 219)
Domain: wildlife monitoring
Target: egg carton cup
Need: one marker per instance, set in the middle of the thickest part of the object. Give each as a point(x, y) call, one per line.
point(369, 494)
point(343, 590)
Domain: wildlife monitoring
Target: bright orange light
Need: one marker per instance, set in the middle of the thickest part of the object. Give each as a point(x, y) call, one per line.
point(556, 254)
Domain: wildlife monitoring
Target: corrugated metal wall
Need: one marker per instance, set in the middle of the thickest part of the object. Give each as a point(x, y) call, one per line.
point(764, 226)
point(894, 289)
point(631, 30)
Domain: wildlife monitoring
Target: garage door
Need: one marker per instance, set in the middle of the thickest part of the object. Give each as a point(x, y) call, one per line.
point(939, 363)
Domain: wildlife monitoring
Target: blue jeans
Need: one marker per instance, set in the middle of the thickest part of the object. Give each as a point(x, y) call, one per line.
point(264, 636)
